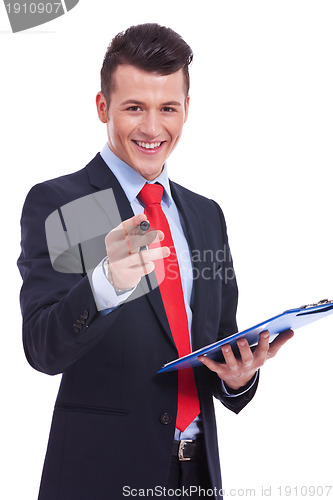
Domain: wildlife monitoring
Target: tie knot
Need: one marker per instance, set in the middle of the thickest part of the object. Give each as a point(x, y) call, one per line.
point(151, 194)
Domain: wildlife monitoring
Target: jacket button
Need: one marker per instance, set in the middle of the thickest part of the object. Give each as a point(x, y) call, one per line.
point(85, 314)
point(76, 328)
point(82, 319)
point(165, 418)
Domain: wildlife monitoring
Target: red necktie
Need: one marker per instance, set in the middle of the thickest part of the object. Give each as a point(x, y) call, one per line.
point(168, 276)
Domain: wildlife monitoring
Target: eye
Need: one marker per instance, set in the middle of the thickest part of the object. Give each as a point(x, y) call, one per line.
point(134, 108)
point(167, 109)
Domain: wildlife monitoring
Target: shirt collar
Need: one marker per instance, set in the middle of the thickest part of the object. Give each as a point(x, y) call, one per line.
point(130, 180)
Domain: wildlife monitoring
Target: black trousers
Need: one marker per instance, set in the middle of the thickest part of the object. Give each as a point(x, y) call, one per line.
point(188, 477)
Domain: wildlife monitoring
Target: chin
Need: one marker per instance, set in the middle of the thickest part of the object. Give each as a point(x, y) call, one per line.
point(149, 173)
point(150, 176)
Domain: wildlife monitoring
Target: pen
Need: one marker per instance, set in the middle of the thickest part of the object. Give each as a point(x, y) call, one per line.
point(144, 226)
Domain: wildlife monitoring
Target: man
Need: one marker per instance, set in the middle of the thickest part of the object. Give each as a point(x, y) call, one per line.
point(120, 429)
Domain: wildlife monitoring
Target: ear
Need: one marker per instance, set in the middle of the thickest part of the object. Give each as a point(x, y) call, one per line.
point(101, 105)
point(187, 103)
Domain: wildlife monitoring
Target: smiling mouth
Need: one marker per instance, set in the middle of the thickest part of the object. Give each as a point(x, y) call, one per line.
point(149, 146)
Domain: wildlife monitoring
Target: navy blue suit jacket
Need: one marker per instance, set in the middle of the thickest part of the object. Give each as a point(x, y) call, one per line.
point(114, 417)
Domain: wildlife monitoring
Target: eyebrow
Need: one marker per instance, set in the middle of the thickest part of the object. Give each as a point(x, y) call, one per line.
point(139, 103)
point(172, 103)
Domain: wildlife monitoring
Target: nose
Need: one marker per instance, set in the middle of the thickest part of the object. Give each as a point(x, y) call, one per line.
point(150, 125)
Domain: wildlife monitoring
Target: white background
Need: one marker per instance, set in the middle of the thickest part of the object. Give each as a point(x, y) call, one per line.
point(258, 141)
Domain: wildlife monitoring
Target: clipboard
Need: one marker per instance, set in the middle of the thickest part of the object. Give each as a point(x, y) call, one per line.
point(290, 319)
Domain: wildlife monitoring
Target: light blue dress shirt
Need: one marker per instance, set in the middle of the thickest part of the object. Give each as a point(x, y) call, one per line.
point(106, 298)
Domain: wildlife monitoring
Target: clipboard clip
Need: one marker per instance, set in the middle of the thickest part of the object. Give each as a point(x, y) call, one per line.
point(320, 303)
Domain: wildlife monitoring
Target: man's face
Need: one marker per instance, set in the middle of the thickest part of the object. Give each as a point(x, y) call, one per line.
point(145, 118)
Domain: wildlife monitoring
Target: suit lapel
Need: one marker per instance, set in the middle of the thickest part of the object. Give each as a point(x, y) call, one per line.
point(101, 177)
point(194, 231)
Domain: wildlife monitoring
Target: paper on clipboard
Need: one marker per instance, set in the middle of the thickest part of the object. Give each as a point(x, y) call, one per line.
point(290, 319)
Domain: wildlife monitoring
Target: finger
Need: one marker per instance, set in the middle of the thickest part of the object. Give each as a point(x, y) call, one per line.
point(245, 352)
point(229, 356)
point(214, 366)
point(137, 262)
point(127, 272)
point(260, 353)
point(146, 268)
point(132, 223)
point(116, 240)
point(135, 241)
point(149, 255)
point(119, 243)
point(279, 341)
point(128, 225)
point(131, 227)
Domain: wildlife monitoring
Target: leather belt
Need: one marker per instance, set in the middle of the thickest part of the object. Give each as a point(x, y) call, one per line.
point(188, 449)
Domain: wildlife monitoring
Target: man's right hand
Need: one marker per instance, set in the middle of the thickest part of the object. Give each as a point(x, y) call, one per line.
point(127, 263)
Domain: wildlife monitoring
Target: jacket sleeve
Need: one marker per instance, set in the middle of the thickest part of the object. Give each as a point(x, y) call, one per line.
point(60, 319)
point(236, 402)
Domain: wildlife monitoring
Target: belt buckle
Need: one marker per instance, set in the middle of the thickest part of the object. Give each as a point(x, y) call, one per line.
point(182, 444)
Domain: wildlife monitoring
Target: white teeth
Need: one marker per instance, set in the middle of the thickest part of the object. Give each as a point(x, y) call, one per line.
point(148, 145)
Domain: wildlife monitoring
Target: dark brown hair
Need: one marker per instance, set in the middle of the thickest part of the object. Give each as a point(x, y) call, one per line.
point(149, 47)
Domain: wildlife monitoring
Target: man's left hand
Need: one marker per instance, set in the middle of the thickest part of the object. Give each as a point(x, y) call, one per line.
point(235, 372)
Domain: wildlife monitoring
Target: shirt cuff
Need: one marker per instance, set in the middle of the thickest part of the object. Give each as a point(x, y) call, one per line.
point(231, 393)
point(105, 294)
